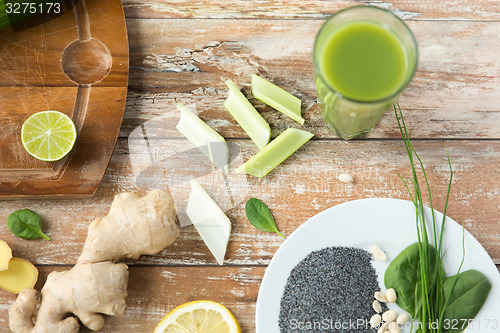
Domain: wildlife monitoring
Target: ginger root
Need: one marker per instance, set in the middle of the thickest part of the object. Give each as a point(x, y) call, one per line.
point(20, 274)
point(15, 273)
point(96, 285)
point(5, 255)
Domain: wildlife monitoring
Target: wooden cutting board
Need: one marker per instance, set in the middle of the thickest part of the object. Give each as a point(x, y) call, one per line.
point(75, 62)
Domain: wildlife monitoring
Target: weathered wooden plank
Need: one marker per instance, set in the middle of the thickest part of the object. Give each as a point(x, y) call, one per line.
point(303, 186)
point(455, 92)
point(311, 9)
point(158, 113)
point(154, 291)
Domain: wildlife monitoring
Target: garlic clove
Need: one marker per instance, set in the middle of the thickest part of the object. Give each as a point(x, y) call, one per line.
point(389, 316)
point(402, 319)
point(393, 327)
point(346, 178)
point(380, 296)
point(391, 296)
point(378, 253)
point(376, 306)
point(382, 328)
point(375, 321)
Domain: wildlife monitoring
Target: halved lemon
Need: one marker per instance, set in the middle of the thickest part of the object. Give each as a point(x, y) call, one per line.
point(199, 317)
point(48, 135)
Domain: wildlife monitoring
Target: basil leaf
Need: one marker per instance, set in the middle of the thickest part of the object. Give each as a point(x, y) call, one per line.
point(403, 274)
point(26, 224)
point(260, 216)
point(467, 293)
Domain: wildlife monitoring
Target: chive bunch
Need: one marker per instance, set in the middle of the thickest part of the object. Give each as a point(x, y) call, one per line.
point(431, 301)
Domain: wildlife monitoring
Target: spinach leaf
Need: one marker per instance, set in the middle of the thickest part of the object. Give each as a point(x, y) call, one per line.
point(260, 216)
point(467, 293)
point(403, 274)
point(26, 224)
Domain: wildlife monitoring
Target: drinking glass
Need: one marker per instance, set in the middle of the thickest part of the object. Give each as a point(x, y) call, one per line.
point(350, 116)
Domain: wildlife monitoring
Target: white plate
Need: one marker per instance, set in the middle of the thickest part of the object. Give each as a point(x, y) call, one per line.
point(389, 223)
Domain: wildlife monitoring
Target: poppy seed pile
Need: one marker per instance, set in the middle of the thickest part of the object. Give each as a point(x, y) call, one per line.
point(331, 290)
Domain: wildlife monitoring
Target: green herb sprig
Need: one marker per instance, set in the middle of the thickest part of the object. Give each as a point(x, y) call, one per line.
point(260, 216)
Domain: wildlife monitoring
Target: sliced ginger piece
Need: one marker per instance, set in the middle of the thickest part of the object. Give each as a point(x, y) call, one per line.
point(5, 255)
point(20, 274)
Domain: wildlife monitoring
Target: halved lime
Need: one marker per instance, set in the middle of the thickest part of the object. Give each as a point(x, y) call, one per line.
point(48, 135)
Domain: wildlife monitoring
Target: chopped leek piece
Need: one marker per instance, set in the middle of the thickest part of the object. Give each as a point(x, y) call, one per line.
point(245, 114)
point(275, 152)
point(209, 220)
point(276, 98)
point(205, 138)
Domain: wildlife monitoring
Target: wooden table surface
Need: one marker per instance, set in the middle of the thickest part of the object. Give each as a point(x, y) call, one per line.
point(182, 51)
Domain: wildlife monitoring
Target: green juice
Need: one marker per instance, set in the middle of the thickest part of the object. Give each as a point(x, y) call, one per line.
point(364, 57)
point(364, 61)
